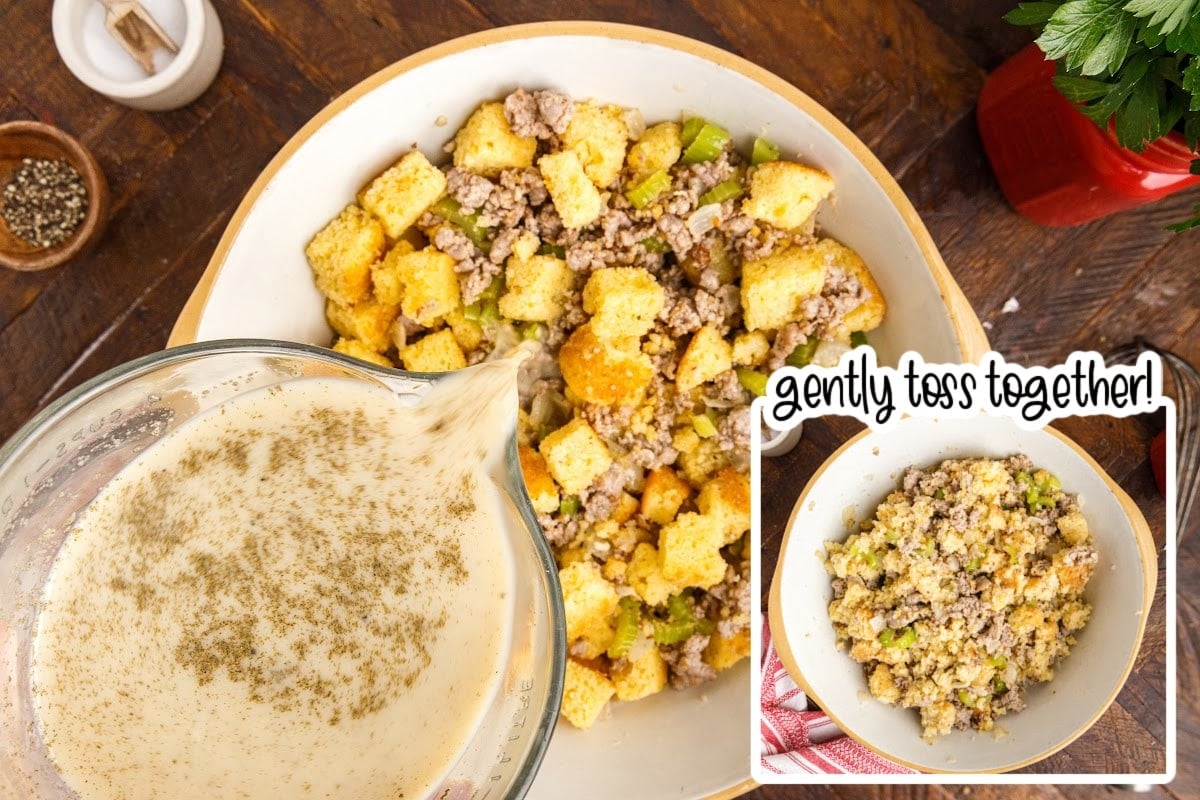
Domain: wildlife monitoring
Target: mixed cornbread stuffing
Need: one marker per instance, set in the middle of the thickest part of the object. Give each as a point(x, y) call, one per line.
point(658, 274)
point(964, 588)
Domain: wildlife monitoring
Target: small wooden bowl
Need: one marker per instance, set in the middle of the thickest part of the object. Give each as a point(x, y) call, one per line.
point(28, 139)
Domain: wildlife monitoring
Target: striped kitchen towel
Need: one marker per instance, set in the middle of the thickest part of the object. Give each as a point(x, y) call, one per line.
point(797, 739)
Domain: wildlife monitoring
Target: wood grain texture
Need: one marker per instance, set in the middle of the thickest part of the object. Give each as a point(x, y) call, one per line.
point(904, 75)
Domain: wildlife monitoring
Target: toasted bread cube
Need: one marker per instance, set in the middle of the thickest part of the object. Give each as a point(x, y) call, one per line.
point(487, 145)
point(543, 491)
point(722, 652)
point(663, 494)
point(868, 314)
point(604, 372)
point(627, 506)
point(774, 287)
point(598, 135)
point(575, 455)
point(706, 357)
point(435, 352)
point(726, 499)
point(356, 349)
point(341, 255)
point(785, 194)
point(423, 282)
point(644, 575)
point(385, 276)
point(586, 693)
point(750, 349)
point(623, 302)
point(536, 288)
point(369, 321)
point(642, 677)
point(657, 151)
point(575, 197)
point(403, 192)
point(690, 550)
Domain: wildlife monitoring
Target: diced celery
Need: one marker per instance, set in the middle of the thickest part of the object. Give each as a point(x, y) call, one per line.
point(752, 381)
point(927, 549)
point(725, 190)
point(691, 127)
point(569, 506)
point(532, 332)
point(974, 564)
point(857, 338)
point(966, 698)
point(903, 638)
point(644, 193)
point(556, 250)
point(802, 355)
point(704, 426)
point(709, 142)
point(494, 289)
point(999, 662)
point(763, 151)
point(653, 244)
point(449, 209)
point(625, 628)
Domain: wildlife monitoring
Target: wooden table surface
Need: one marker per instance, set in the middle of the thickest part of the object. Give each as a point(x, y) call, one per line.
point(902, 74)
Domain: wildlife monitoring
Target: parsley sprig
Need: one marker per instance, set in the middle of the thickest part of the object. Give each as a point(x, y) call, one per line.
point(1134, 62)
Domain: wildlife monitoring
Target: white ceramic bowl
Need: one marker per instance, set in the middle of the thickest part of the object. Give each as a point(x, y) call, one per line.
point(676, 745)
point(97, 61)
point(849, 486)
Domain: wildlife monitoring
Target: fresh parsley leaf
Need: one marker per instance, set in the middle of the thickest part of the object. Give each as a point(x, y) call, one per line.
point(1167, 16)
point(1137, 121)
point(1187, 38)
point(1191, 222)
point(1032, 15)
point(1080, 90)
point(1092, 32)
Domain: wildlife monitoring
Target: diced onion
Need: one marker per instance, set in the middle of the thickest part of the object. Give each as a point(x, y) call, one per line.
point(828, 353)
point(704, 219)
point(877, 624)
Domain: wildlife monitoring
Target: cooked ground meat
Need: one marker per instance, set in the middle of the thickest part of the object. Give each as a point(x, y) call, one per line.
point(542, 113)
point(685, 662)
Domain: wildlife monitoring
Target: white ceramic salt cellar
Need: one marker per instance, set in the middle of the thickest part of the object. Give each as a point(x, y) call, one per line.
point(96, 58)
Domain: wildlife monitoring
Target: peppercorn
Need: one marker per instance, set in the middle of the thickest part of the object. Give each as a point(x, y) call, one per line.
point(44, 202)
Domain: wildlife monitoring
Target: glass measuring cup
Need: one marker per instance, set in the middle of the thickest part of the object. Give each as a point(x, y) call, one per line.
point(54, 466)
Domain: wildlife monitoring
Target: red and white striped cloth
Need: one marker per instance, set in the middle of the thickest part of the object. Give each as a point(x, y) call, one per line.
point(796, 739)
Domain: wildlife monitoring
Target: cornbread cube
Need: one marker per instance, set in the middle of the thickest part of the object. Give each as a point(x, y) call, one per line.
point(663, 494)
point(341, 255)
point(435, 352)
point(627, 505)
point(537, 288)
point(703, 461)
point(641, 677)
point(774, 287)
point(868, 314)
point(403, 192)
point(883, 684)
point(623, 302)
point(369, 321)
point(644, 575)
point(614, 570)
point(487, 145)
point(543, 492)
point(575, 455)
point(356, 349)
point(750, 349)
point(605, 372)
point(575, 197)
point(1073, 528)
point(423, 282)
point(726, 499)
point(468, 332)
point(657, 151)
point(588, 599)
point(785, 193)
point(706, 357)
point(598, 135)
point(385, 276)
point(722, 652)
point(586, 692)
point(690, 550)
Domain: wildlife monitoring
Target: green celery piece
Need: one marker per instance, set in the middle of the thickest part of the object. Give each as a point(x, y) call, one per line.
point(708, 144)
point(691, 127)
point(532, 332)
point(928, 548)
point(449, 209)
point(966, 698)
point(752, 381)
point(763, 151)
point(556, 250)
point(974, 564)
point(802, 355)
point(629, 612)
point(903, 638)
point(653, 244)
point(569, 506)
point(704, 426)
point(858, 338)
point(998, 685)
point(493, 290)
point(999, 662)
point(725, 190)
point(645, 192)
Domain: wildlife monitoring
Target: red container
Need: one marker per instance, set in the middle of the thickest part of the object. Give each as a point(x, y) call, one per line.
point(1055, 165)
